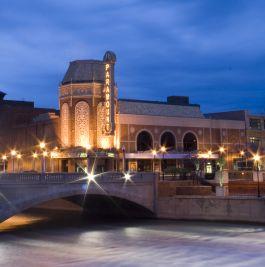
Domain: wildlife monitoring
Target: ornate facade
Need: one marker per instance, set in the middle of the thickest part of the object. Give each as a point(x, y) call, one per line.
point(95, 126)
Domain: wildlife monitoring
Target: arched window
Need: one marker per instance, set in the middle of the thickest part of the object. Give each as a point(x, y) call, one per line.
point(144, 141)
point(103, 141)
point(65, 125)
point(81, 124)
point(168, 140)
point(190, 142)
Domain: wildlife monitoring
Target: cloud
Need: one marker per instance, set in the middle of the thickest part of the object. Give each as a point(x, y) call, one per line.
point(203, 49)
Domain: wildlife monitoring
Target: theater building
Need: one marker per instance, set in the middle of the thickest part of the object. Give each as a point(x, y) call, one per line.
point(94, 126)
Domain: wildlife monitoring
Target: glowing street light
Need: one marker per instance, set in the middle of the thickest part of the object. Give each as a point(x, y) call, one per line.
point(127, 177)
point(13, 153)
point(87, 146)
point(42, 145)
point(256, 159)
point(163, 149)
point(221, 149)
point(242, 153)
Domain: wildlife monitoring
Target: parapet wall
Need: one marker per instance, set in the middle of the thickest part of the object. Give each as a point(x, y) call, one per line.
point(212, 208)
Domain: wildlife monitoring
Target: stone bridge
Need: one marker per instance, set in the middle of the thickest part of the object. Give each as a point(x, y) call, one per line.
point(20, 191)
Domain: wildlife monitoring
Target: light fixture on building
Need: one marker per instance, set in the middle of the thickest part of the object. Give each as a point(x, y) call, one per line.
point(13, 153)
point(209, 153)
point(256, 158)
point(19, 156)
point(54, 154)
point(163, 149)
point(221, 149)
point(42, 145)
point(154, 152)
point(45, 153)
point(34, 155)
point(87, 146)
point(242, 153)
point(105, 143)
point(4, 157)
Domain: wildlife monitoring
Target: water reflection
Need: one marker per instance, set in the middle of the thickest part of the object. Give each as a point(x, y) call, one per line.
point(65, 238)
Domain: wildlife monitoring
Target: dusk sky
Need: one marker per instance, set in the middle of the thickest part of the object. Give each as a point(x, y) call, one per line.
point(212, 51)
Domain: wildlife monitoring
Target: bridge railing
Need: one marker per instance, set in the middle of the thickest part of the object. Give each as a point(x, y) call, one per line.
point(59, 178)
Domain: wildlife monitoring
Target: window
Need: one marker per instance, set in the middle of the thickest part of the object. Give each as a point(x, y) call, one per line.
point(65, 125)
point(190, 142)
point(255, 124)
point(254, 140)
point(144, 141)
point(168, 140)
point(81, 124)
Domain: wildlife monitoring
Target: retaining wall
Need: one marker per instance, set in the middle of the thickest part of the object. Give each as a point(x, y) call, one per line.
point(244, 209)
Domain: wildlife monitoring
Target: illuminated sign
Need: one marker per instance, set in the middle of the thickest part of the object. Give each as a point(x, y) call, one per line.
point(108, 101)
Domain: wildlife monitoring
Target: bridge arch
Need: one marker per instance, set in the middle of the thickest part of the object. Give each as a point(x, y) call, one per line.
point(26, 196)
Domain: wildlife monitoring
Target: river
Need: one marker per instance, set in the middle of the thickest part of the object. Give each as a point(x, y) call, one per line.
point(41, 238)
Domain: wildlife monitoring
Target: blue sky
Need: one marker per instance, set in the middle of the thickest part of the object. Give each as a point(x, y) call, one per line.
point(210, 50)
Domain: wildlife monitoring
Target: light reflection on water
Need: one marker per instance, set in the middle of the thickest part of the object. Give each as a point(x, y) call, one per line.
point(66, 239)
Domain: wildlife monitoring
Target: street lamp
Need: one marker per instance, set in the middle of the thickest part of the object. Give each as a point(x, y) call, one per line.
point(42, 145)
point(44, 155)
point(35, 156)
point(221, 149)
point(53, 156)
point(256, 160)
point(13, 154)
point(19, 156)
point(163, 150)
point(88, 147)
point(4, 158)
point(154, 152)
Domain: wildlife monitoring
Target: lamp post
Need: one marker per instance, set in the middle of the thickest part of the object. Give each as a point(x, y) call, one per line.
point(44, 155)
point(256, 160)
point(19, 156)
point(4, 158)
point(13, 154)
point(123, 158)
point(154, 156)
point(42, 146)
point(163, 150)
point(34, 155)
point(88, 147)
point(53, 156)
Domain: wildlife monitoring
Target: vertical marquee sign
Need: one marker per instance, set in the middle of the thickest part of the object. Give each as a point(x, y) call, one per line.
point(109, 60)
point(109, 100)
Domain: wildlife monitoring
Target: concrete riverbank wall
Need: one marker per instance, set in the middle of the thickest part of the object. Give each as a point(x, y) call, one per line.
point(212, 208)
